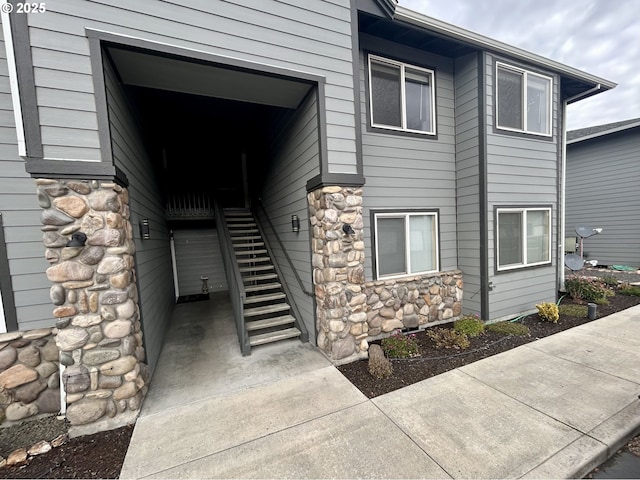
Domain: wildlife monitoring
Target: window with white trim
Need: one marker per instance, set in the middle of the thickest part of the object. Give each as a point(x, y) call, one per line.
point(523, 237)
point(401, 96)
point(406, 243)
point(523, 100)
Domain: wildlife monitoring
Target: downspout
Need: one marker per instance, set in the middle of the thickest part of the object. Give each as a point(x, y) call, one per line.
point(13, 77)
point(563, 179)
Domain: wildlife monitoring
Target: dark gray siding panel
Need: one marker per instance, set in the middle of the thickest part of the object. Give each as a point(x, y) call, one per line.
point(21, 220)
point(197, 254)
point(310, 37)
point(468, 179)
point(294, 161)
point(603, 190)
point(153, 256)
point(412, 172)
point(522, 170)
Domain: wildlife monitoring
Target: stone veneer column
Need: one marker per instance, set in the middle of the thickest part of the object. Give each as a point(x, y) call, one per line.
point(350, 310)
point(338, 272)
point(98, 327)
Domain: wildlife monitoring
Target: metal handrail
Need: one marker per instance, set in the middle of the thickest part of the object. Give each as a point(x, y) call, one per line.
point(294, 307)
point(234, 279)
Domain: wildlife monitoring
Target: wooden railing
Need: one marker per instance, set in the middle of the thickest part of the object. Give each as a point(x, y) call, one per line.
point(234, 279)
point(190, 206)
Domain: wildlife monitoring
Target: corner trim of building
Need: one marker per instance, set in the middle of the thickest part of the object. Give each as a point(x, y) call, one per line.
point(335, 179)
point(39, 168)
point(6, 287)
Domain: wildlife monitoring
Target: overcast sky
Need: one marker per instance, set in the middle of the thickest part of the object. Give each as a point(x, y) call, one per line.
point(601, 37)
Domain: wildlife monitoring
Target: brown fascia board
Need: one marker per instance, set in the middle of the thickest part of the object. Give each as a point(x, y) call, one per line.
point(468, 37)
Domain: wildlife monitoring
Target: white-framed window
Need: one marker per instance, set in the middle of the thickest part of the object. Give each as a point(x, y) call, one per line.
point(523, 237)
point(406, 243)
point(523, 100)
point(401, 96)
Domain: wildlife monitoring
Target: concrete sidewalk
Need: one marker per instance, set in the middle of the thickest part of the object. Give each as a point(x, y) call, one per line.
point(553, 408)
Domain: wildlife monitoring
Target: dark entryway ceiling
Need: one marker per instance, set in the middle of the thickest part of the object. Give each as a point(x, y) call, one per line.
point(143, 69)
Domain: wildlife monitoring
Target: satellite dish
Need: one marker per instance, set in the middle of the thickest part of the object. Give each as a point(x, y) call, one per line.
point(585, 232)
point(574, 262)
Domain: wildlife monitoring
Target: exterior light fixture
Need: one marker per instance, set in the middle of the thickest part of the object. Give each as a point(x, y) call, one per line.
point(295, 224)
point(346, 228)
point(145, 233)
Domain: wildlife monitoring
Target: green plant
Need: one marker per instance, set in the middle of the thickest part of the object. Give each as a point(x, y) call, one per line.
point(400, 346)
point(632, 290)
point(448, 338)
point(471, 325)
point(579, 311)
point(586, 289)
point(609, 280)
point(548, 311)
point(509, 328)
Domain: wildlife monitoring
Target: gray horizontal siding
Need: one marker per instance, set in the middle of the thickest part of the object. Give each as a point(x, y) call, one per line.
point(314, 37)
point(198, 254)
point(522, 170)
point(292, 162)
point(153, 256)
point(21, 220)
point(411, 172)
point(603, 178)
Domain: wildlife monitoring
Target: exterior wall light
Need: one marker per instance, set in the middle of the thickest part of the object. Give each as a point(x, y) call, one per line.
point(295, 224)
point(145, 233)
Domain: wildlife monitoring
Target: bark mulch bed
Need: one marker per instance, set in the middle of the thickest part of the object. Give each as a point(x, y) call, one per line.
point(434, 361)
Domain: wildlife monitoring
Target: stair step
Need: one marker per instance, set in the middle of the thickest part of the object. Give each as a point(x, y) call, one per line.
point(247, 231)
point(248, 237)
point(264, 298)
point(257, 278)
point(250, 252)
point(253, 260)
point(269, 322)
point(242, 225)
point(257, 268)
point(273, 336)
point(247, 245)
point(264, 286)
point(255, 311)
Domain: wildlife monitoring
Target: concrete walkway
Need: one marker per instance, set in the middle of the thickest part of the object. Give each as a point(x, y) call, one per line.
point(554, 408)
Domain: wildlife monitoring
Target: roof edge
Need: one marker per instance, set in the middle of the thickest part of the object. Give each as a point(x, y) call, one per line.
point(406, 15)
point(615, 129)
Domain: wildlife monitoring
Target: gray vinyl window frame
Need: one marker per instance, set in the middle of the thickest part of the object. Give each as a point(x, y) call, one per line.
point(525, 74)
point(525, 263)
point(403, 213)
point(403, 66)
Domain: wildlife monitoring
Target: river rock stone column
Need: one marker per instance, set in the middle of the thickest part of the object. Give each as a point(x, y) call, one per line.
point(338, 272)
point(96, 301)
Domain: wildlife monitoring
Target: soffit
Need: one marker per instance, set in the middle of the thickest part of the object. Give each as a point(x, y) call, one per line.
point(144, 69)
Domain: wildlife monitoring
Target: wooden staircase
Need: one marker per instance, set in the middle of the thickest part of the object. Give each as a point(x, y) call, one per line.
point(267, 315)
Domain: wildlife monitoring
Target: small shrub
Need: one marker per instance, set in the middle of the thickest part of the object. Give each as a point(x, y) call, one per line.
point(549, 312)
point(379, 366)
point(448, 338)
point(633, 291)
point(610, 281)
point(400, 346)
point(509, 328)
point(471, 325)
point(579, 311)
point(586, 289)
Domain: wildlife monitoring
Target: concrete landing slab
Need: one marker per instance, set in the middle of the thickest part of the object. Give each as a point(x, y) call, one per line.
point(473, 431)
point(564, 390)
point(599, 352)
point(183, 434)
point(357, 442)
